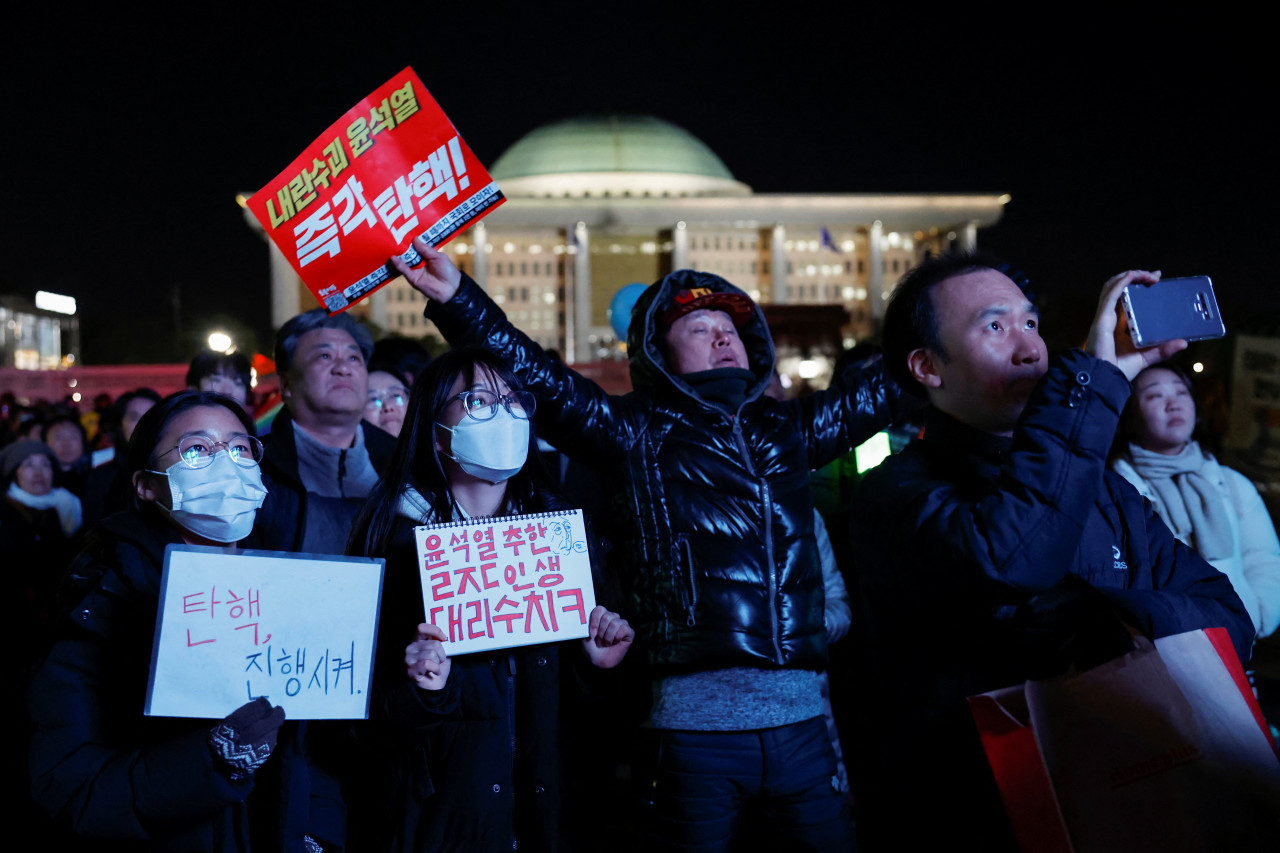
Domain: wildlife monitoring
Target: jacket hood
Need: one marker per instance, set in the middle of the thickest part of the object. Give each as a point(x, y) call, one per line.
point(649, 370)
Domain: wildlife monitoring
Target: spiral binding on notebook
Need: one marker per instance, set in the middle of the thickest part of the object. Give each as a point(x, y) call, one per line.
point(489, 519)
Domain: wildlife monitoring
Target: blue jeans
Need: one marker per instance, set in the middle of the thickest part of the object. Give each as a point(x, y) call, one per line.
point(701, 782)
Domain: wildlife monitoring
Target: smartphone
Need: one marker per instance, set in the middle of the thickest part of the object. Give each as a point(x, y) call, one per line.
point(1173, 308)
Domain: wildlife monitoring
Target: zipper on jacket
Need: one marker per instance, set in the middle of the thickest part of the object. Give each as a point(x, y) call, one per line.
point(691, 600)
point(767, 494)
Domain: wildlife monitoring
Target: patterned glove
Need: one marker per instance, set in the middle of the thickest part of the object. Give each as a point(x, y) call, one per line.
point(244, 740)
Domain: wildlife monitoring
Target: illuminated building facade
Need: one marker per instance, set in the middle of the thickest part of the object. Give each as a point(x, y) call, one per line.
point(597, 203)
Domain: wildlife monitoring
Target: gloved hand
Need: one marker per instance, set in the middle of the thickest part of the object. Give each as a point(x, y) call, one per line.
point(244, 740)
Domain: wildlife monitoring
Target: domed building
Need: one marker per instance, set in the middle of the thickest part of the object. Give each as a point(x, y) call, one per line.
point(613, 157)
point(596, 203)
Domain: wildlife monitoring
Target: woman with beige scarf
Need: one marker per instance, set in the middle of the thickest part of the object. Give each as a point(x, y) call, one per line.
point(1208, 506)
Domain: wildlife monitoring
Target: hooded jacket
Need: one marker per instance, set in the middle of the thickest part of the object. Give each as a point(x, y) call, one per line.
point(713, 509)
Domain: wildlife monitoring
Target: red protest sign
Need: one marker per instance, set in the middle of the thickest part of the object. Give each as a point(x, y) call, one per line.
point(493, 583)
point(392, 169)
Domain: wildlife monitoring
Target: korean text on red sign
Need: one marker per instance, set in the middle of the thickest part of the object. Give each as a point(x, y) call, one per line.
point(499, 582)
point(296, 629)
point(392, 169)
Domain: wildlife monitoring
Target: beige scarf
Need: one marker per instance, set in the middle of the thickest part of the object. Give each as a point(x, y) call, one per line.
point(1193, 504)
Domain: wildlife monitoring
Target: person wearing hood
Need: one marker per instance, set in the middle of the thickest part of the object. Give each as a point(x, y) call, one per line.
point(710, 480)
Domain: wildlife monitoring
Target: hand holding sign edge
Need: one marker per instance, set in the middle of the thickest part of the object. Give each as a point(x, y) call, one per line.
point(608, 639)
point(426, 661)
point(436, 278)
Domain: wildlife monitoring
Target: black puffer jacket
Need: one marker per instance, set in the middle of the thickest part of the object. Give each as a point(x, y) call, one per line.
point(715, 509)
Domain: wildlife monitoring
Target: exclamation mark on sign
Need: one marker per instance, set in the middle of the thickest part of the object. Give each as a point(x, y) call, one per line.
point(459, 165)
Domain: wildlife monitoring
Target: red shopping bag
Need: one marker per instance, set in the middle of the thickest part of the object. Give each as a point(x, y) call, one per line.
point(1161, 749)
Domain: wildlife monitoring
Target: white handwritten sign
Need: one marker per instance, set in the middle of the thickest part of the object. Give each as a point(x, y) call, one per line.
point(494, 583)
point(298, 629)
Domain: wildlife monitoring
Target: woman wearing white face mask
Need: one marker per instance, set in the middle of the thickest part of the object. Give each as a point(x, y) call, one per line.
point(98, 766)
point(476, 766)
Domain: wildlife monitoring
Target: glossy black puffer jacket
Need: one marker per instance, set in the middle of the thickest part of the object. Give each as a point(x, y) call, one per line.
point(716, 511)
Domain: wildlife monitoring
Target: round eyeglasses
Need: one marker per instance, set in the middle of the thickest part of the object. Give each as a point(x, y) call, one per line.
point(382, 399)
point(482, 404)
point(197, 451)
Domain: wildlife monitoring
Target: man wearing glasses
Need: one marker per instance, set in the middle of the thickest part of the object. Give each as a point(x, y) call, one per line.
point(321, 460)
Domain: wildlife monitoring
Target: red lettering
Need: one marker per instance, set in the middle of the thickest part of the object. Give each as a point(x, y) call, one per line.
point(534, 602)
point(455, 623)
point(440, 589)
point(466, 573)
point(579, 608)
point(197, 642)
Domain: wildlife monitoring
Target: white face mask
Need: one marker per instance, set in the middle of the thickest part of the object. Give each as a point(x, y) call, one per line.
point(217, 502)
point(492, 450)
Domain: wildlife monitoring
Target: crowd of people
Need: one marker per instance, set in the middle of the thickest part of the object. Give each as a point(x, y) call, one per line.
point(703, 710)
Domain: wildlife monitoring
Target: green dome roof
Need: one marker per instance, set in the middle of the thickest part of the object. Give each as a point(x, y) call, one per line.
point(609, 144)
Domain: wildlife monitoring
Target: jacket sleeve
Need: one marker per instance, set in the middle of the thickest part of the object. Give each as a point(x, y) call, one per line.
point(574, 413)
point(856, 406)
point(1016, 532)
point(837, 615)
point(401, 711)
point(1259, 550)
point(1187, 593)
point(91, 764)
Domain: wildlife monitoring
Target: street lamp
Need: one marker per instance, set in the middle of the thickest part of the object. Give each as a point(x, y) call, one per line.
point(220, 342)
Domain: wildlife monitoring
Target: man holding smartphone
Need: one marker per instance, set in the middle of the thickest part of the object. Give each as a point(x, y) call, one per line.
point(999, 548)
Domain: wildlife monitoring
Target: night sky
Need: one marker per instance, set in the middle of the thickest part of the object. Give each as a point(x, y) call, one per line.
point(1124, 142)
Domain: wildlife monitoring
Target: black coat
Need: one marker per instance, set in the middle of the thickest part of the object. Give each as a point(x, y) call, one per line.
point(714, 509)
point(281, 523)
point(985, 561)
point(132, 782)
point(469, 767)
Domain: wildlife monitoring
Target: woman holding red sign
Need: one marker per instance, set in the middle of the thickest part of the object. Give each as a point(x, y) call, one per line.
point(474, 742)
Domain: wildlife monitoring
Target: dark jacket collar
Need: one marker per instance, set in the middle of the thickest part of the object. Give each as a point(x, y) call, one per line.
point(280, 458)
point(944, 430)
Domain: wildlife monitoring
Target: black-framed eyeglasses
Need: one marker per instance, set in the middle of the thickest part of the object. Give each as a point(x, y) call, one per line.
point(198, 450)
point(482, 404)
point(380, 400)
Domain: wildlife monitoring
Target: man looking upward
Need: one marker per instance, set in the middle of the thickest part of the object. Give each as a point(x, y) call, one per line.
point(710, 484)
point(999, 548)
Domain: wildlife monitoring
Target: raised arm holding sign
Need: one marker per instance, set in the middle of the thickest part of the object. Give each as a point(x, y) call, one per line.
point(391, 169)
